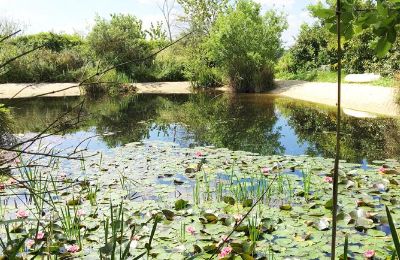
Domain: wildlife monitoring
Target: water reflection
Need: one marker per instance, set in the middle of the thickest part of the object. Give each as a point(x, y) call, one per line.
point(256, 123)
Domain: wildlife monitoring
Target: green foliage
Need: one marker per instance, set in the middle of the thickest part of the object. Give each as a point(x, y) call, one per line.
point(312, 49)
point(200, 15)
point(202, 73)
point(169, 65)
point(356, 16)
point(43, 65)
point(315, 52)
point(118, 40)
point(246, 58)
point(52, 41)
point(5, 119)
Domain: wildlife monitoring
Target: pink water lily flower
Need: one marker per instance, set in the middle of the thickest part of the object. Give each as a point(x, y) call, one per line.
point(191, 230)
point(238, 217)
point(369, 254)
point(266, 170)
point(29, 243)
point(22, 213)
point(198, 154)
point(72, 248)
point(225, 252)
point(40, 235)
point(328, 179)
point(382, 170)
point(81, 213)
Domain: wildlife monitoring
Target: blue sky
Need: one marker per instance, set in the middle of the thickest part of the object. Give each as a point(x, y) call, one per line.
point(78, 15)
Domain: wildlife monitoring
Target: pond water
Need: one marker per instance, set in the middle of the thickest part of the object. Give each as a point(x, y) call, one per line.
point(257, 123)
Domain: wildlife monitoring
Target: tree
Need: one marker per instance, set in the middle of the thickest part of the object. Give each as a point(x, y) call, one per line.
point(200, 15)
point(247, 58)
point(166, 9)
point(119, 40)
point(382, 16)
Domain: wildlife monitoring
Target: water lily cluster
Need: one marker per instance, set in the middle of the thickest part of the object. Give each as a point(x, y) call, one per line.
point(159, 201)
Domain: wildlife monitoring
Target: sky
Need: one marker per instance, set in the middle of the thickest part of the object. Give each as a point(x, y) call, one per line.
point(78, 15)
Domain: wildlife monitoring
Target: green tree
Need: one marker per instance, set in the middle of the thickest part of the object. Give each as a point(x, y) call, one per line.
point(118, 40)
point(200, 15)
point(312, 49)
point(382, 16)
point(247, 58)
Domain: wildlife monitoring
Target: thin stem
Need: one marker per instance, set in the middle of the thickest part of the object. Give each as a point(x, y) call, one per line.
point(338, 121)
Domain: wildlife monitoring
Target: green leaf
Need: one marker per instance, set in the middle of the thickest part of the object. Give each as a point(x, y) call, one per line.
point(229, 200)
point(393, 231)
point(323, 13)
point(383, 47)
point(181, 204)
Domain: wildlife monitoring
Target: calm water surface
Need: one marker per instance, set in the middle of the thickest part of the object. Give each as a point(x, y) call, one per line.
point(256, 123)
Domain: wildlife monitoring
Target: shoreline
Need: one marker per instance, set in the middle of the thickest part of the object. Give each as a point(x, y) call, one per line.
point(355, 97)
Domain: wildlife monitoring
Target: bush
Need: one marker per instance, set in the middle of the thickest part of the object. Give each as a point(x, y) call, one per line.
point(169, 66)
point(113, 83)
point(316, 47)
point(6, 126)
point(246, 59)
point(121, 39)
point(43, 65)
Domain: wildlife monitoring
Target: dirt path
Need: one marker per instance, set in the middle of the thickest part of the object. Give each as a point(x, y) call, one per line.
point(26, 90)
point(359, 97)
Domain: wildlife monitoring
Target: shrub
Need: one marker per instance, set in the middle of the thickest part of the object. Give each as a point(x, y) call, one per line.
point(121, 39)
point(246, 58)
point(112, 83)
point(43, 65)
point(6, 126)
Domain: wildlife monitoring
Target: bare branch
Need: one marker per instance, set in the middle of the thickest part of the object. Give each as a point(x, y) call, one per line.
point(9, 36)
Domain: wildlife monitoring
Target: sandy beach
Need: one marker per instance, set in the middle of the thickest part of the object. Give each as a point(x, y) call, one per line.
point(359, 97)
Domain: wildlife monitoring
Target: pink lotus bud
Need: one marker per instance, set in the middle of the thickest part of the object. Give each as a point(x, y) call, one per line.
point(198, 154)
point(369, 254)
point(22, 213)
point(191, 230)
point(72, 248)
point(225, 252)
point(328, 179)
point(40, 235)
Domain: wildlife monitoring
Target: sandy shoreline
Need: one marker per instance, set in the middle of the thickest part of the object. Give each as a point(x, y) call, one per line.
point(359, 97)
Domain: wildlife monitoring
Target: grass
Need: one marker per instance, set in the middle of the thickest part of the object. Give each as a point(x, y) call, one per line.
point(331, 76)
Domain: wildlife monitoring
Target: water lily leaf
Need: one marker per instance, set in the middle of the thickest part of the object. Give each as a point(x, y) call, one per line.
point(247, 203)
point(323, 224)
point(211, 218)
point(178, 182)
point(329, 204)
point(391, 171)
point(229, 200)
point(74, 202)
point(196, 249)
point(363, 223)
point(169, 215)
point(181, 204)
point(285, 207)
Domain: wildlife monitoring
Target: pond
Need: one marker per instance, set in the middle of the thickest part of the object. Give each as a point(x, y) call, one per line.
point(178, 173)
point(262, 124)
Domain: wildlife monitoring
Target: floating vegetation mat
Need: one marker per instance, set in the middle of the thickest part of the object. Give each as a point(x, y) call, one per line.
point(158, 201)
